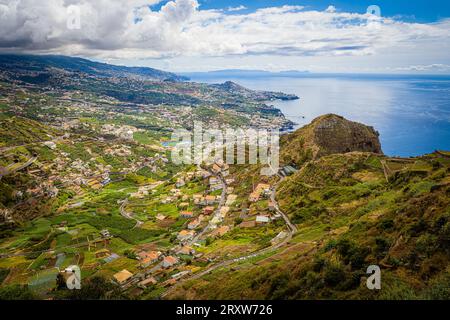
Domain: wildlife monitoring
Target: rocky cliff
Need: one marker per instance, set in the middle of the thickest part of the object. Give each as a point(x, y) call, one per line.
point(329, 134)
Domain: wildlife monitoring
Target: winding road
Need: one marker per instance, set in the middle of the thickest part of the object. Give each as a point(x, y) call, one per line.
point(292, 230)
point(217, 212)
point(291, 226)
point(127, 215)
point(125, 202)
point(12, 169)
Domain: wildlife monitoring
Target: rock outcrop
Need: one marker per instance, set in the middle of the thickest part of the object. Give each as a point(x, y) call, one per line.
point(329, 134)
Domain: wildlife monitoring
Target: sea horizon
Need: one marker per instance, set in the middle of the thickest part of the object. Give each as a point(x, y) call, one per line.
point(406, 110)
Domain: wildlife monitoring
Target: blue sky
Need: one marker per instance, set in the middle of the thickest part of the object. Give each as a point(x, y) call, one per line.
point(411, 10)
point(403, 56)
point(201, 35)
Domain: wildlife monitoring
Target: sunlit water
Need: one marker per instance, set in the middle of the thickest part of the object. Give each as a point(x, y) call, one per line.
point(411, 113)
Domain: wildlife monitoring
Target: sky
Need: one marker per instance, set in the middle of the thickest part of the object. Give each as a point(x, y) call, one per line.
point(394, 36)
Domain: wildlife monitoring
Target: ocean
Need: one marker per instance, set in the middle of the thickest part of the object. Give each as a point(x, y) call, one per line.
point(411, 113)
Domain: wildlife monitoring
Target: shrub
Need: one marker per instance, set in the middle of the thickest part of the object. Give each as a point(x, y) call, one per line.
point(444, 237)
point(352, 254)
point(306, 213)
point(381, 246)
point(330, 245)
point(318, 264)
point(334, 275)
point(351, 282)
point(418, 227)
point(358, 257)
point(96, 288)
point(278, 285)
point(439, 289)
point(343, 247)
point(130, 254)
point(3, 274)
point(386, 224)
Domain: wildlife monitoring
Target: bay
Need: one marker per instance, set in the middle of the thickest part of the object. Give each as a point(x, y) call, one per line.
point(411, 113)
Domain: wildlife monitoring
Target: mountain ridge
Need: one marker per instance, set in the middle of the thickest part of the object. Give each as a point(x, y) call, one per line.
point(77, 64)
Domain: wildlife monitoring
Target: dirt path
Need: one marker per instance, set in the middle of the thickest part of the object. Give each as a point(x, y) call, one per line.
point(386, 170)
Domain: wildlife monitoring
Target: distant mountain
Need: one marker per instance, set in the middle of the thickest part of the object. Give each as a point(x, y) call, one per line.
point(240, 73)
point(133, 85)
point(234, 88)
point(38, 63)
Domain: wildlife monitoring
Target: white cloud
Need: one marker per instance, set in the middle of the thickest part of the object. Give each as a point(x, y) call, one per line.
point(238, 8)
point(331, 9)
point(119, 29)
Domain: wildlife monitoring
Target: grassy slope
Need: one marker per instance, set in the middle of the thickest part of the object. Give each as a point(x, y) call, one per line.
point(17, 131)
point(350, 217)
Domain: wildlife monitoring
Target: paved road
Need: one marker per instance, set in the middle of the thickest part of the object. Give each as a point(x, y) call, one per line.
point(127, 215)
point(11, 169)
point(125, 202)
point(229, 262)
point(5, 149)
point(387, 172)
point(292, 230)
point(217, 212)
point(291, 226)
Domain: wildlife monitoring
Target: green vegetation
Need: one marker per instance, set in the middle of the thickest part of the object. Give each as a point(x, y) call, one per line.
point(101, 191)
point(353, 217)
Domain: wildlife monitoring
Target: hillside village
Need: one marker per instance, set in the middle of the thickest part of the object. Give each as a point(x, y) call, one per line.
point(82, 172)
point(86, 179)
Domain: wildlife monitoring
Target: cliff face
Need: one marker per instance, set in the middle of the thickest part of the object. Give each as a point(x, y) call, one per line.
point(329, 134)
point(334, 134)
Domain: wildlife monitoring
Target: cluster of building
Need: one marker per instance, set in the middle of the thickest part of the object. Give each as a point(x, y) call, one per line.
point(44, 188)
point(154, 263)
point(122, 132)
point(261, 189)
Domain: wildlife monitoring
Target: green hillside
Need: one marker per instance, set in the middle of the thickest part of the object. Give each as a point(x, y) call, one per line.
point(352, 210)
point(16, 131)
